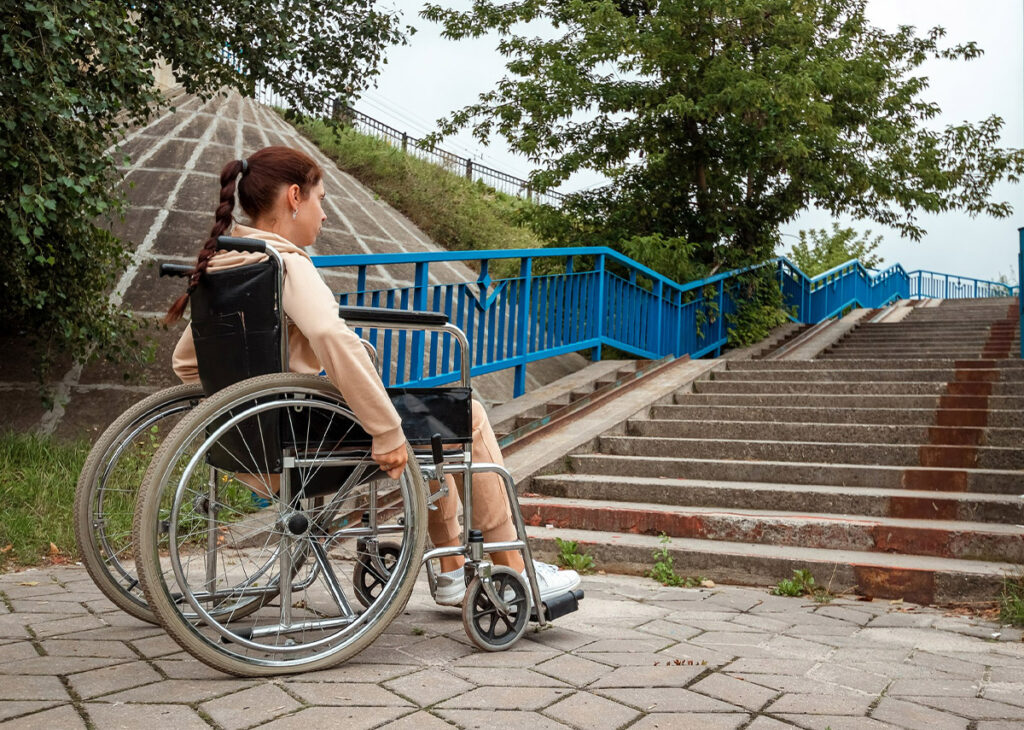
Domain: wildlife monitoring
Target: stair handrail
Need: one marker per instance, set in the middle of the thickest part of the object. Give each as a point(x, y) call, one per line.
point(600, 297)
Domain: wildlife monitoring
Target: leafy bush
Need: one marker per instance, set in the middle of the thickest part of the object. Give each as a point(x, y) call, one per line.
point(821, 250)
point(74, 77)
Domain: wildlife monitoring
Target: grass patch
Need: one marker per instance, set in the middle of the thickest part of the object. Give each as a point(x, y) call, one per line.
point(570, 556)
point(1011, 601)
point(458, 214)
point(664, 569)
point(37, 495)
point(803, 584)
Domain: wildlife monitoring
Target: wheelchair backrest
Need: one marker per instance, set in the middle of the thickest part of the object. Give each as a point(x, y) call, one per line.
point(236, 324)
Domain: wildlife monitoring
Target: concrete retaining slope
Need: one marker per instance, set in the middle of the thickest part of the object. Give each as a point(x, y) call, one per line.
point(173, 189)
point(892, 464)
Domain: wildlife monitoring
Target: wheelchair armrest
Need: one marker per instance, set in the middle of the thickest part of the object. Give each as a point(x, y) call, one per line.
point(392, 316)
point(175, 270)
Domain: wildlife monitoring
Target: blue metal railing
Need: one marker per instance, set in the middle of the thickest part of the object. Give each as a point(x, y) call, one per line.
point(599, 297)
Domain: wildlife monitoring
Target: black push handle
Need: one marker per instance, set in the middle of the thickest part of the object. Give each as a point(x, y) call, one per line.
point(175, 270)
point(437, 449)
point(247, 245)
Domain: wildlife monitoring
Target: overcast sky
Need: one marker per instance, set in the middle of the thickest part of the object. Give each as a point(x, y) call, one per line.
point(432, 77)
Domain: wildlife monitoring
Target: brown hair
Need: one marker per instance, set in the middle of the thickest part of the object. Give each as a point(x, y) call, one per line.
point(263, 174)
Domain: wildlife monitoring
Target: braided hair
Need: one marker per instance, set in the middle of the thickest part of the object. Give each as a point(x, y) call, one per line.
point(262, 176)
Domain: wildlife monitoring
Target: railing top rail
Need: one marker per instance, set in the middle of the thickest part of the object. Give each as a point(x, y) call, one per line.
point(960, 277)
point(447, 256)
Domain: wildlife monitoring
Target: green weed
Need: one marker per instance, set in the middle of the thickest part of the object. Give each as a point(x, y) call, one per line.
point(802, 584)
point(569, 556)
point(664, 568)
point(1011, 601)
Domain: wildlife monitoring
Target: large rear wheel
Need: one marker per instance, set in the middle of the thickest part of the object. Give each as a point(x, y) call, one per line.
point(203, 562)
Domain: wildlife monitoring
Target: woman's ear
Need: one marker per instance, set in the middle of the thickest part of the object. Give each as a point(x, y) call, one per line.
point(294, 197)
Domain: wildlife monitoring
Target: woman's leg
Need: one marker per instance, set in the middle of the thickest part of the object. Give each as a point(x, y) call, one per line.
point(492, 514)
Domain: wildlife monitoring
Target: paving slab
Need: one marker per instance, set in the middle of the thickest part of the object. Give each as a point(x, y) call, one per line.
point(637, 654)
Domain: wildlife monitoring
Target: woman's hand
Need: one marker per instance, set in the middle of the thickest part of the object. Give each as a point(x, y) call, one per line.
point(393, 462)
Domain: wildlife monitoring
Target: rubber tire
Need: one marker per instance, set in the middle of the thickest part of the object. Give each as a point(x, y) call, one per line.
point(389, 553)
point(477, 605)
point(146, 530)
point(96, 462)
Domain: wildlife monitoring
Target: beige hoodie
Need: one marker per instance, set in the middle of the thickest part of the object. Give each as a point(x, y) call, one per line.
point(317, 339)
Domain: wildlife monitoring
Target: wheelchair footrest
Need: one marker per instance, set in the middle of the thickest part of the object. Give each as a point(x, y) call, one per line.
point(560, 605)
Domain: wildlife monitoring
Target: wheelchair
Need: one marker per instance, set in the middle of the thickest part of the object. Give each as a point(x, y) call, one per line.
point(315, 577)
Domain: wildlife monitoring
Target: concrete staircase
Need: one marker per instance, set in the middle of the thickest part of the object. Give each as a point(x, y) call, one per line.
point(892, 464)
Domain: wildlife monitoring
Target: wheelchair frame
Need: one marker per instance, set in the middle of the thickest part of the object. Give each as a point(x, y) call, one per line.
point(493, 590)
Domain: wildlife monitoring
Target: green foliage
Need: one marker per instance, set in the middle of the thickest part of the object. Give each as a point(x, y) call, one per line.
point(455, 212)
point(820, 250)
point(802, 584)
point(37, 492)
point(1011, 600)
point(570, 556)
point(664, 568)
point(759, 308)
point(719, 120)
point(75, 76)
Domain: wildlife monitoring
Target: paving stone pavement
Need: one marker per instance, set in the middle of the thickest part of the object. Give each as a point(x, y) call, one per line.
point(636, 655)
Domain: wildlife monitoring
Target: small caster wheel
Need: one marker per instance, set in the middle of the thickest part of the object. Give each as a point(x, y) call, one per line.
point(370, 575)
point(486, 626)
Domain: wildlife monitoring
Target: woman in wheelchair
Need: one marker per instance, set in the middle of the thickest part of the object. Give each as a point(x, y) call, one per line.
point(281, 190)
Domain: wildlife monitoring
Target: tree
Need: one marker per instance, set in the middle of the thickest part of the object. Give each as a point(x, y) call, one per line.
point(75, 75)
point(719, 120)
point(820, 250)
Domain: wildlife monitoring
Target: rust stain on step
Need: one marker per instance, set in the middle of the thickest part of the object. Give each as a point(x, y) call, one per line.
point(950, 457)
point(911, 540)
point(934, 480)
point(917, 586)
point(921, 508)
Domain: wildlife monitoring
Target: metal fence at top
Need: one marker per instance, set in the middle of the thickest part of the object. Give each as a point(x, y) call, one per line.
point(501, 181)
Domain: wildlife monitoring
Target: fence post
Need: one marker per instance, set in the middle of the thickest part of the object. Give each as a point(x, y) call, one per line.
point(721, 316)
point(1020, 287)
point(946, 295)
point(659, 337)
point(469, 169)
point(522, 324)
point(595, 353)
point(405, 141)
point(421, 279)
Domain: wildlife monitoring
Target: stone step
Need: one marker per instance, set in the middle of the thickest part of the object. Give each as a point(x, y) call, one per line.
point(936, 538)
point(807, 498)
point(942, 479)
point(865, 387)
point(992, 403)
point(977, 339)
point(876, 363)
point(905, 352)
point(809, 430)
point(961, 457)
point(938, 375)
point(792, 414)
point(915, 578)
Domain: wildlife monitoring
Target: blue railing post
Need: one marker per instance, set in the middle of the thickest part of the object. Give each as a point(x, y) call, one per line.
point(522, 324)
point(1020, 289)
point(946, 295)
point(595, 353)
point(721, 316)
point(421, 279)
point(659, 302)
